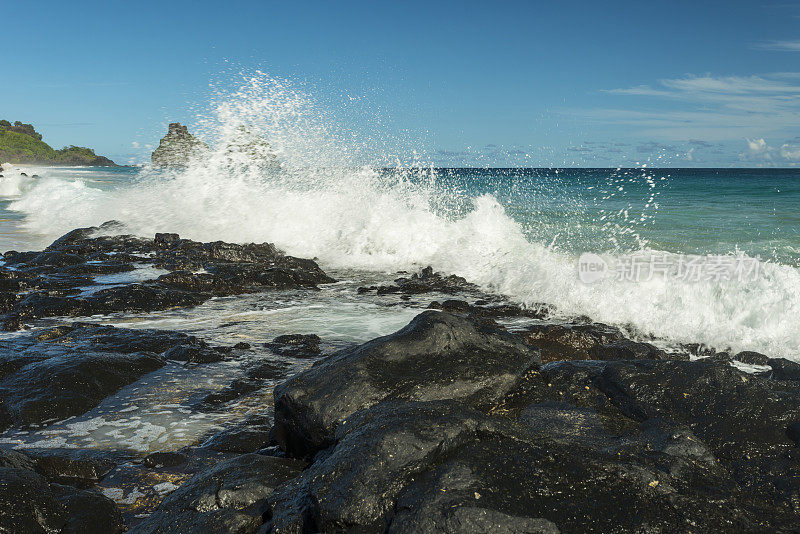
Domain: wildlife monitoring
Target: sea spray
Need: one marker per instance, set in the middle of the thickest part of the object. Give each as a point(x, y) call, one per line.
point(329, 198)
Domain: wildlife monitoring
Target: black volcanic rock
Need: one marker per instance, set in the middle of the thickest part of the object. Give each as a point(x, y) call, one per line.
point(634, 442)
point(228, 497)
point(58, 387)
point(164, 459)
point(589, 341)
point(296, 345)
point(29, 503)
point(425, 281)
point(69, 369)
point(443, 467)
point(437, 356)
point(49, 283)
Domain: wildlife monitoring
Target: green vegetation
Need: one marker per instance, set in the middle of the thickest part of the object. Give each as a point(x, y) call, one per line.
point(20, 143)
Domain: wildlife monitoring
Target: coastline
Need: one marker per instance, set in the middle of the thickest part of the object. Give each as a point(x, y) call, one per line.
point(478, 415)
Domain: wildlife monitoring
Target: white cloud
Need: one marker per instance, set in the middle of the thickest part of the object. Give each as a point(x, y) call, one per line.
point(781, 46)
point(757, 146)
point(759, 150)
point(790, 151)
point(714, 108)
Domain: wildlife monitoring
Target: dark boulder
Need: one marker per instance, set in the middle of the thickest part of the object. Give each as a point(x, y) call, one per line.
point(69, 384)
point(736, 414)
point(751, 358)
point(425, 281)
point(72, 469)
point(443, 467)
point(783, 369)
point(240, 439)
point(437, 356)
point(625, 349)
point(164, 459)
point(28, 503)
point(588, 341)
point(88, 512)
point(228, 497)
point(296, 345)
point(485, 310)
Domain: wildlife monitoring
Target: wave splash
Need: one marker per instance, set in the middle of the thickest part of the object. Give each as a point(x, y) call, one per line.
point(329, 200)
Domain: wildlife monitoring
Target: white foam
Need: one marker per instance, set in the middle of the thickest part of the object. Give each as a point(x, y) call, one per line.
point(323, 204)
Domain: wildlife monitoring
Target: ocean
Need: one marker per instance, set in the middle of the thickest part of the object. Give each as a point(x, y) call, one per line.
point(687, 255)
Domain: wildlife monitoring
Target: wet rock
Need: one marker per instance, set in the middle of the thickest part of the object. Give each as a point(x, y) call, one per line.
point(165, 240)
point(233, 391)
point(28, 503)
point(736, 414)
point(229, 497)
point(783, 369)
point(164, 459)
point(69, 369)
point(425, 281)
point(71, 469)
point(16, 460)
point(589, 341)
point(88, 512)
point(129, 298)
point(296, 345)
point(439, 466)
point(437, 356)
point(240, 439)
point(751, 358)
point(106, 267)
point(122, 340)
point(69, 384)
point(139, 298)
point(562, 421)
point(267, 371)
point(199, 271)
point(200, 283)
point(198, 352)
point(486, 310)
point(625, 349)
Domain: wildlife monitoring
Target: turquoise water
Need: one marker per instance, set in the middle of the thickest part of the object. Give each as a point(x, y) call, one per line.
point(691, 211)
point(517, 232)
point(694, 211)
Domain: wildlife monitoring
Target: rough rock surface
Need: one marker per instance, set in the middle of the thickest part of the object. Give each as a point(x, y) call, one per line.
point(177, 148)
point(425, 281)
point(229, 497)
point(584, 341)
point(50, 283)
point(29, 502)
point(69, 369)
point(633, 443)
point(437, 356)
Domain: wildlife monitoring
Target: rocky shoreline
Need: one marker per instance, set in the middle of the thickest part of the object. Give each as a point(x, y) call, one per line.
point(478, 416)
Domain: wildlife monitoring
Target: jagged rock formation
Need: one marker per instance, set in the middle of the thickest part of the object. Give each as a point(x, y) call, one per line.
point(21, 143)
point(248, 149)
point(177, 147)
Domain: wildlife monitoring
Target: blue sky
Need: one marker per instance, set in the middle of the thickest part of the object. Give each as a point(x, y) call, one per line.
point(581, 83)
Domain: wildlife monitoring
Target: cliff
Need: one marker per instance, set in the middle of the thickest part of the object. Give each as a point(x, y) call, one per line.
point(21, 143)
point(177, 147)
